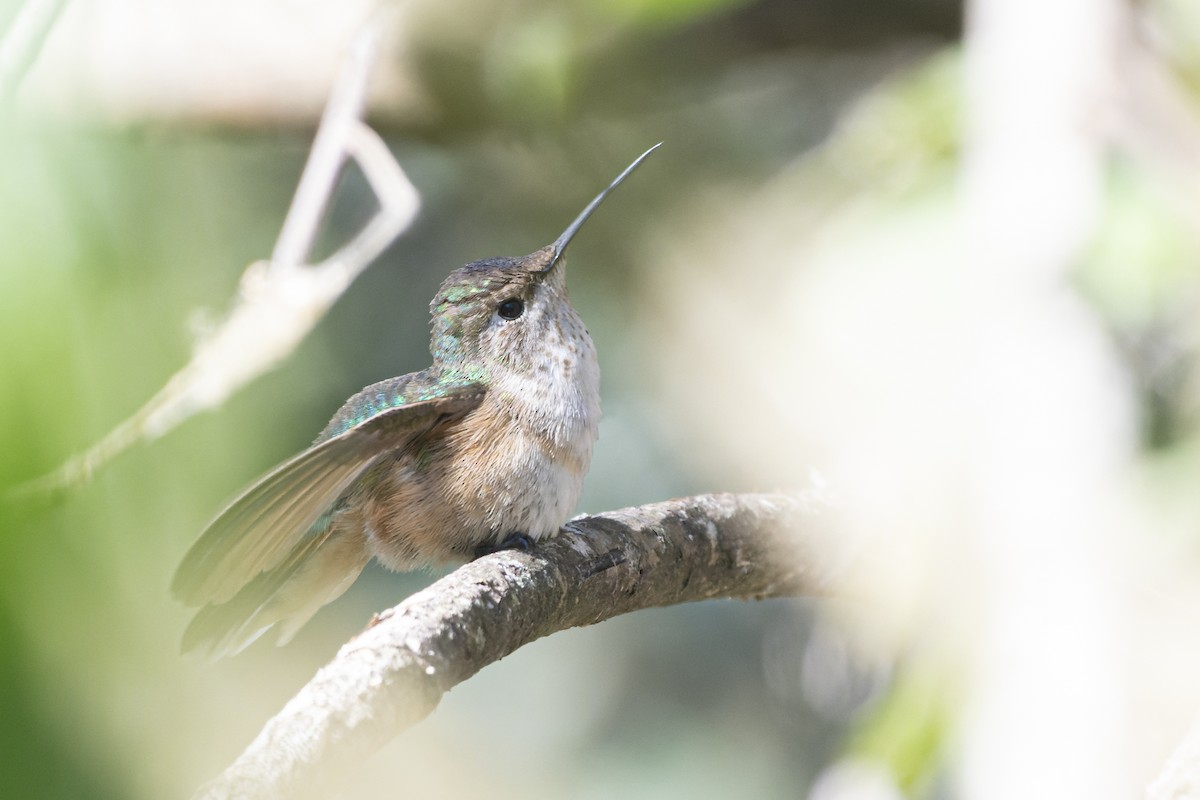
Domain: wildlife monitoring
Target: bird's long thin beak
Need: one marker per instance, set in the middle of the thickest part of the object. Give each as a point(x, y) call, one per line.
point(560, 244)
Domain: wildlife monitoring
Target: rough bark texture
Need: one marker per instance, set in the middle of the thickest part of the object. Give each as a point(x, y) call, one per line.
point(394, 673)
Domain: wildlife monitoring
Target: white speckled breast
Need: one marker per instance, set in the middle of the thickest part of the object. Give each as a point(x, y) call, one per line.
point(554, 425)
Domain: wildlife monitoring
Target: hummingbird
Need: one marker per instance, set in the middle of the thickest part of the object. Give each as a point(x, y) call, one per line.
point(485, 449)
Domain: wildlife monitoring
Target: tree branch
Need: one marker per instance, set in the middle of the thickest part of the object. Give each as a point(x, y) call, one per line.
point(395, 672)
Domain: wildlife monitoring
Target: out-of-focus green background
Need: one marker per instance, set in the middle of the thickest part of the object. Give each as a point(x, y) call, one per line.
point(125, 218)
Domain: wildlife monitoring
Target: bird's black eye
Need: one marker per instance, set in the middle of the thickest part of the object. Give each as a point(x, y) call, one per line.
point(511, 308)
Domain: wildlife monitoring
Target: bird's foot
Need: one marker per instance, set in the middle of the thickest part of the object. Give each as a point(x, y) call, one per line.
point(514, 541)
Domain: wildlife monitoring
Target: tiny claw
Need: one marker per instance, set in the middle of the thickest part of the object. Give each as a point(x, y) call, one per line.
point(514, 541)
point(379, 616)
point(613, 558)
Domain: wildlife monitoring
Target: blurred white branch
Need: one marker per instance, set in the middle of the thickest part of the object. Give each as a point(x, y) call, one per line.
point(280, 300)
point(345, 107)
point(1052, 423)
point(1180, 778)
point(395, 672)
point(23, 41)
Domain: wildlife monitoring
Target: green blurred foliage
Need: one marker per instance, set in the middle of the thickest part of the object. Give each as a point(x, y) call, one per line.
point(907, 730)
point(1177, 24)
point(1141, 274)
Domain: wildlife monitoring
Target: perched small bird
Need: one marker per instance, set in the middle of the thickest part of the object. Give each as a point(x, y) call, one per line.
point(486, 448)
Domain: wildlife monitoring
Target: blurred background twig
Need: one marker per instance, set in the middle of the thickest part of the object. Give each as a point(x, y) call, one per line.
point(22, 41)
point(279, 300)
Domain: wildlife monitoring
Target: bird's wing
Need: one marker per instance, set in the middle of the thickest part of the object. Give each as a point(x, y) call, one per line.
point(256, 532)
point(315, 572)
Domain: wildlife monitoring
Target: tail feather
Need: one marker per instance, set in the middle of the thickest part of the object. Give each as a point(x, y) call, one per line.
point(316, 571)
